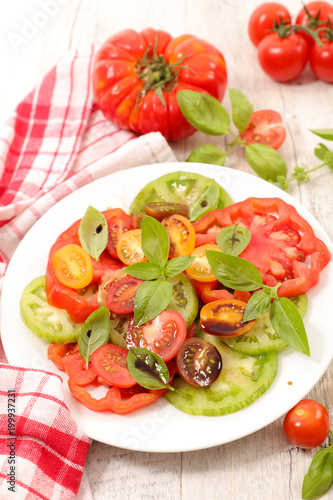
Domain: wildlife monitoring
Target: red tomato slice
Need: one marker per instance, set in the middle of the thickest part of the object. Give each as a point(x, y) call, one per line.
point(61, 354)
point(110, 363)
point(210, 291)
point(283, 245)
point(162, 335)
point(121, 295)
point(265, 127)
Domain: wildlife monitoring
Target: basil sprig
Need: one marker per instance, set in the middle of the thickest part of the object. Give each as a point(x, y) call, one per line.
point(94, 333)
point(93, 232)
point(319, 477)
point(240, 274)
point(233, 239)
point(148, 369)
point(154, 295)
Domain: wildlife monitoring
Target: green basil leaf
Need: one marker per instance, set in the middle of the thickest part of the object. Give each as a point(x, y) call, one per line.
point(154, 240)
point(94, 333)
point(93, 232)
point(325, 155)
point(144, 270)
point(242, 109)
point(206, 202)
point(234, 272)
point(324, 133)
point(148, 369)
point(319, 477)
point(177, 265)
point(151, 298)
point(204, 112)
point(265, 161)
point(288, 324)
point(258, 304)
point(233, 239)
point(207, 153)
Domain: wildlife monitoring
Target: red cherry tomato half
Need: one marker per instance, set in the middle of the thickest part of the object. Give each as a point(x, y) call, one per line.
point(162, 335)
point(263, 18)
point(265, 127)
point(307, 424)
point(110, 363)
point(283, 59)
point(121, 295)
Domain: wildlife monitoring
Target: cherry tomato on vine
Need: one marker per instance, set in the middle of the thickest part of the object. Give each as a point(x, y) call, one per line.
point(265, 127)
point(262, 20)
point(307, 424)
point(321, 60)
point(314, 15)
point(283, 58)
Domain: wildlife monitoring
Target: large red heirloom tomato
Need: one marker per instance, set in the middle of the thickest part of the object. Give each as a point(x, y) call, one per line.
point(136, 78)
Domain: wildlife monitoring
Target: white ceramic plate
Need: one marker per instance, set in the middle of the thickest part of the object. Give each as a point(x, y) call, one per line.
point(161, 427)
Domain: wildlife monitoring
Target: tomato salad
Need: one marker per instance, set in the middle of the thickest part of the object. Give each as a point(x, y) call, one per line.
point(182, 297)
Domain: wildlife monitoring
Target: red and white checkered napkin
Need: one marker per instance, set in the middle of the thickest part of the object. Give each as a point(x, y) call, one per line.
point(56, 141)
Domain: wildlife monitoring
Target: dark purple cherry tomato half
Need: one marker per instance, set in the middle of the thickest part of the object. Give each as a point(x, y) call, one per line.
point(161, 209)
point(199, 363)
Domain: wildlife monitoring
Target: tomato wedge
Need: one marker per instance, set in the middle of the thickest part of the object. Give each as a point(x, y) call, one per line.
point(162, 335)
point(265, 127)
point(109, 362)
point(283, 245)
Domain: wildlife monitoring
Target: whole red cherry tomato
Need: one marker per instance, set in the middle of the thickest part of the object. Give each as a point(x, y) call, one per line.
point(321, 58)
point(307, 424)
point(283, 58)
point(263, 18)
point(136, 78)
point(314, 15)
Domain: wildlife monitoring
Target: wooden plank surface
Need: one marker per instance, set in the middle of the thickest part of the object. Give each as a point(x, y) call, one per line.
point(263, 465)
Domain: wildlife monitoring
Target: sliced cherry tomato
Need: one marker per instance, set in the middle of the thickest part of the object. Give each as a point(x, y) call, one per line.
point(121, 295)
point(199, 363)
point(161, 209)
point(72, 266)
point(307, 424)
point(263, 18)
point(109, 362)
point(162, 335)
point(129, 248)
point(118, 222)
point(181, 235)
point(315, 15)
point(283, 58)
point(265, 127)
point(224, 318)
point(283, 245)
point(200, 270)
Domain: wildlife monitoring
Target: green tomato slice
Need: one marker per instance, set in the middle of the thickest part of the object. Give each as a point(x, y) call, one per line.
point(262, 337)
point(242, 380)
point(48, 322)
point(198, 192)
point(184, 298)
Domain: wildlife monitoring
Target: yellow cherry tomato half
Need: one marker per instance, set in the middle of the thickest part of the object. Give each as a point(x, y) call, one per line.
point(73, 266)
point(181, 235)
point(129, 248)
point(200, 269)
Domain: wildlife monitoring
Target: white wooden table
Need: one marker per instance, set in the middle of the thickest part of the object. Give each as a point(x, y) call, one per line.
point(34, 36)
